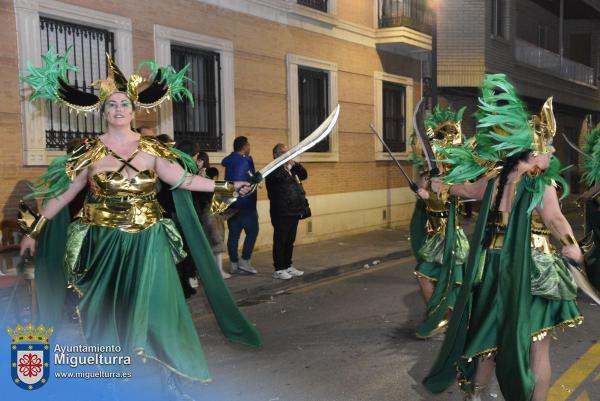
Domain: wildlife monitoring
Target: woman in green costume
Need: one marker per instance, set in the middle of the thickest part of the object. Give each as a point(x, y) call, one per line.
point(445, 247)
point(591, 201)
point(120, 255)
point(516, 289)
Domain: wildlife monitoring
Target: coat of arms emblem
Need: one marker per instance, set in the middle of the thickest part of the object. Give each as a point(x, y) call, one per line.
point(30, 356)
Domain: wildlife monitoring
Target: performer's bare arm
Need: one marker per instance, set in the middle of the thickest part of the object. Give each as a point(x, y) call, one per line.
point(558, 224)
point(55, 205)
point(171, 173)
point(468, 190)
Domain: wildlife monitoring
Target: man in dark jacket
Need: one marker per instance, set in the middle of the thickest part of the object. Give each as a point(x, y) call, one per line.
point(238, 167)
point(288, 205)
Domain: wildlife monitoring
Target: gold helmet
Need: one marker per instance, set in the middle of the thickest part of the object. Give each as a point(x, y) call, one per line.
point(543, 128)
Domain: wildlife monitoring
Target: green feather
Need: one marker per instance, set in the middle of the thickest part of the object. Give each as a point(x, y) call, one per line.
point(551, 176)
point(53, 183)
point(177, 80)
point(44, 80)
point(591, 164)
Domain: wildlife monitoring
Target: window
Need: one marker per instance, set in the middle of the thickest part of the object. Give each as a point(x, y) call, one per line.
point(211, 122)
point(90, 46)
point(200, 122)
point(312, 95)
point(393, 113)
point(320, 5)
point(394, 120)
point(313, 103)
point(105, 32)
point(498, 18)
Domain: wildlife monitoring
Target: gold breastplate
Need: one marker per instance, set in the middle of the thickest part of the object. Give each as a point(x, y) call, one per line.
point(112, 184)
point(128, 204)
point(437, 214)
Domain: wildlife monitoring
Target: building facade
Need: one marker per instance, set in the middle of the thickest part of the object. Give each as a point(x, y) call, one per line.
point(267, 69)
point(546, 47)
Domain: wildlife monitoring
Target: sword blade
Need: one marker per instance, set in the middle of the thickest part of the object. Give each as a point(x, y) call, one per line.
point(571, 144)
point(419, 127)
point(307, 143)
point(411, 183)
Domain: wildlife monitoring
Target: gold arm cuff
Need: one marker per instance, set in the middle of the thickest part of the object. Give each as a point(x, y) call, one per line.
point(568, 239)
point(225, 187)
point(37, 227)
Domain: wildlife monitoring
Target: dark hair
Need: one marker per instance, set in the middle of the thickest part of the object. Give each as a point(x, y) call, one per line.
point(508, 166)
point(212, 172)
point(202, 155)
point(239, 143)
point(277, 148)
point(163, 138)
point(186, 147)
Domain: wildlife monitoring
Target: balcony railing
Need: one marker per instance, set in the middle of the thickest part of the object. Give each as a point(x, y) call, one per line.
point(546, 60)
point(320, 5)
point(410, 13)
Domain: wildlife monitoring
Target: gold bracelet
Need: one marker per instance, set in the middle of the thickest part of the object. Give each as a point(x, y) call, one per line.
point(37, 227)
point(568, 239)
point(225, 187)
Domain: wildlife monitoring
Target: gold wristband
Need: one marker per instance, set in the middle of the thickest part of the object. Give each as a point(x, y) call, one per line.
point(225, 187)
point(568, 239)
point(37, 227)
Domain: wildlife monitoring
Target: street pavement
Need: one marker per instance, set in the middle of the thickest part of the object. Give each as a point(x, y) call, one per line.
point(350, 338)
point(347, 334)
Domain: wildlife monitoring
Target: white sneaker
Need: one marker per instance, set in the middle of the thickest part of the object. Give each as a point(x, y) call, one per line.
point(193, 282)
point(245, 265)
point(233, 267)
point(282, 275)
point(294, 272)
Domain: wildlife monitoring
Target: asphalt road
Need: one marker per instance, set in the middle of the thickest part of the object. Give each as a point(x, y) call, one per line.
point(350, 338)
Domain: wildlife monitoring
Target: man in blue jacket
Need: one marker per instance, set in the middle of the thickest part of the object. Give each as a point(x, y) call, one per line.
point(238, 167)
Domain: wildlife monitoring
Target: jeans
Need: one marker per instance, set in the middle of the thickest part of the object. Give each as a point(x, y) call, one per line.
point(284, 235)
point(247, 220)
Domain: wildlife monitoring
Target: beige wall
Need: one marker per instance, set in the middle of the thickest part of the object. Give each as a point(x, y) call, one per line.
point(261, 99)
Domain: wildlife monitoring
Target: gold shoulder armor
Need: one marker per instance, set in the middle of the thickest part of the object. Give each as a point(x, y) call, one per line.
point(88, 153)
point(155, 147)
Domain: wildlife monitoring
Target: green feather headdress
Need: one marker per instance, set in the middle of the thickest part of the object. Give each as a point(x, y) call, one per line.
point(50, 81)
point(551, 176)
point(591, 164)
point(503, 130)
point(415, 157)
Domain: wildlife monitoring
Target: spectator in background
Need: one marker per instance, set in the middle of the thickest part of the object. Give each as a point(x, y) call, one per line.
point(288, 206)
point(239, 167)
point(145, 131)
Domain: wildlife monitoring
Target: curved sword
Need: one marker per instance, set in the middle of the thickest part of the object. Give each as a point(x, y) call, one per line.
point(307, 143)
point(571, 144)
point(419, 127)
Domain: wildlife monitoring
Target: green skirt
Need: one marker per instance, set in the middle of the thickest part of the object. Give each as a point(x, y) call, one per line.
point(448, 275)
point(130, 294)
point(546, 314)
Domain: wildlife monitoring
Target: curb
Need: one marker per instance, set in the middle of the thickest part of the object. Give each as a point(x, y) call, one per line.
point(261, 293)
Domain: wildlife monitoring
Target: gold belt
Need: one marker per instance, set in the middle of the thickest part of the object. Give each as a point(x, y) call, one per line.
point(436, 224)
point(540, 240)
point(130, 216)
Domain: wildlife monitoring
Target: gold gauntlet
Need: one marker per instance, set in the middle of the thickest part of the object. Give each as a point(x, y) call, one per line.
point(225, 195)
point(30, 223)
point(568, 239)
point(225, 187)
